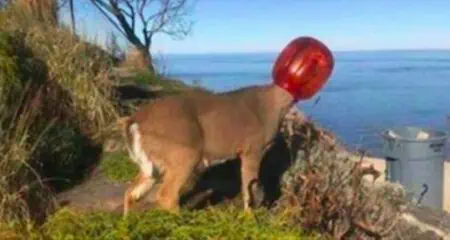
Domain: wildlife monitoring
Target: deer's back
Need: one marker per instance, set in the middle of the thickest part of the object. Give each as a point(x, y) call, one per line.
point(168, 123)
point(218, 124)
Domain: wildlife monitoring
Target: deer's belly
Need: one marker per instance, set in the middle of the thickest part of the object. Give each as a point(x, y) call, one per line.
point(208, 162)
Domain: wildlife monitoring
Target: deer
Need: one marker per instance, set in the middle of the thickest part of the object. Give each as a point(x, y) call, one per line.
point(172, 136)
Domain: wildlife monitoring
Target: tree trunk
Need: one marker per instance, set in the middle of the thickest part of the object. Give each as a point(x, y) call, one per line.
point(146, 59)
point(72, 16)
point(139, 58)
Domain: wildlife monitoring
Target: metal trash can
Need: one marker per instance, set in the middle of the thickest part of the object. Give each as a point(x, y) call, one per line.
point(415, 159)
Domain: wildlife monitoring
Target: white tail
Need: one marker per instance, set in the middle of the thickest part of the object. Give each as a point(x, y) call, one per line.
point(144, 182)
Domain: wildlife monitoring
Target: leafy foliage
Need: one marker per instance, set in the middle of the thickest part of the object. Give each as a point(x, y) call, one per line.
point(118, 167)
point(228, 223)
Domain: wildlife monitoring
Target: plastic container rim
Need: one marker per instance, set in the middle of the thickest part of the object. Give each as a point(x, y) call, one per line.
point(385, 134)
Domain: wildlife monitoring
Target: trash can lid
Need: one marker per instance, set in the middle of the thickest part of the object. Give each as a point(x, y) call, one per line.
point(415, 134)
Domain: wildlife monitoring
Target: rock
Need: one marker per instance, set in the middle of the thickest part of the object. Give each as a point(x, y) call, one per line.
point(156, 88)
point(423, 223)
point(96, 193)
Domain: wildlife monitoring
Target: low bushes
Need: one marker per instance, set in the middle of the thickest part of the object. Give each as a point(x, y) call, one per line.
point(118, 167)
point(224, 223)
point(326, 191)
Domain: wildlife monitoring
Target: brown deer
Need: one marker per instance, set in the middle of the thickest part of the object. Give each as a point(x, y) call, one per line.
point(174, 135)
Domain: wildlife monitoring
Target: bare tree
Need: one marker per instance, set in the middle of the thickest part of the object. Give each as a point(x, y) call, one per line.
point(150, 16)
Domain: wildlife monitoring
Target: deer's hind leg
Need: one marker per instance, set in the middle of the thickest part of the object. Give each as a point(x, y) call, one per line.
point(139, 187)
point(177, 172)
point(144, 181)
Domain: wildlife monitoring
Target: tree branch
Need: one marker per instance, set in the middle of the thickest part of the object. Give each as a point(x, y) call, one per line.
point(131, 15)
point(129, 31)
point(167, 18)
point(101, 6)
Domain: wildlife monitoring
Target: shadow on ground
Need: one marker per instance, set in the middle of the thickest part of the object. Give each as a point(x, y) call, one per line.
point(224, 181)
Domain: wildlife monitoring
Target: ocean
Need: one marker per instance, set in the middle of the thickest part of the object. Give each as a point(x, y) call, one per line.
point(368, 92)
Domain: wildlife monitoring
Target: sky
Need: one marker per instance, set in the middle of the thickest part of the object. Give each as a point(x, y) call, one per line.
point(231, 26)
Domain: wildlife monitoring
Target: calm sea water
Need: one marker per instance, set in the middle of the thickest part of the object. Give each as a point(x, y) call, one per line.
point(367, 93)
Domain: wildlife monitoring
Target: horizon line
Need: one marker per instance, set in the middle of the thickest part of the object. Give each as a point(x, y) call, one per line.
point(275, 52)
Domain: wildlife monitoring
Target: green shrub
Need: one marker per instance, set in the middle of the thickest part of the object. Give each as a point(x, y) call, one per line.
point(146, 78)
point(227, 223)
point(117, 166)
point(68, 160)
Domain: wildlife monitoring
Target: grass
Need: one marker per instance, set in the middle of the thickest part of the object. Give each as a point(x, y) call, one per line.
point(217, 223)
point(56, 107)
point(118, 167)
point(74, 70)
point(143, 78)
point(146, 78)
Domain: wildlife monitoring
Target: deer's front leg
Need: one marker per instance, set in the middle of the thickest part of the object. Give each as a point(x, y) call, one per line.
point(140, 186)
point(250, 165)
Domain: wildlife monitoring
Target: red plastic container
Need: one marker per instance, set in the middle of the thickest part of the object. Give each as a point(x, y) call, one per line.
point(303, 67)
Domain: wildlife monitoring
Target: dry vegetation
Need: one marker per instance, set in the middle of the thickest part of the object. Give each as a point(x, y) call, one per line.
point(326, 191)
point(55, 108)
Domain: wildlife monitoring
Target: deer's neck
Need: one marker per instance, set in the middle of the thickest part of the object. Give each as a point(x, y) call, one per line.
point(276, 102)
